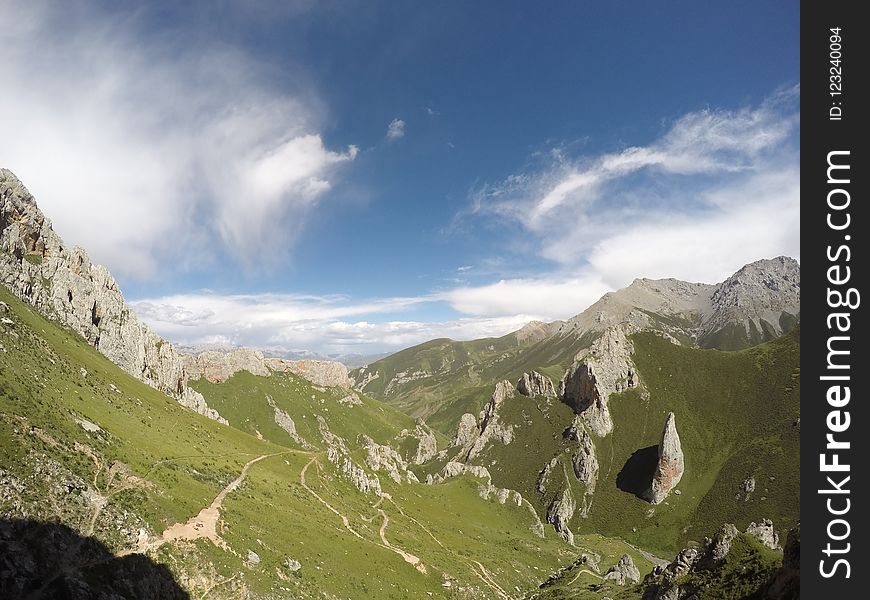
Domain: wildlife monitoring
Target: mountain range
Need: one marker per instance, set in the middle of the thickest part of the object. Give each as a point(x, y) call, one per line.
point(570, 459)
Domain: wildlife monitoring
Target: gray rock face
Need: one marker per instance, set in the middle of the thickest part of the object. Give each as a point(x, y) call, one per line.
point(491, 427)
point(379, 457)
point(292, 564)
point(325, 373)
point(454, 469)
point(560, 512)
point(285, 422)
point(534, 384)
point(603, 369)
point(762, 290)
point(623, 571)
point(65, 286)
point(764, 533)
point(360, 479)
point(715, 550)
point(466, 431)
point(584, 460)
point(427, 443)
point(218, 366)
point(669, 469)
point(665, 583)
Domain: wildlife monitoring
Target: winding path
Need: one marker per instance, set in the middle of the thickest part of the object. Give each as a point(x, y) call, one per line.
point(204, 524)
point(406, 556)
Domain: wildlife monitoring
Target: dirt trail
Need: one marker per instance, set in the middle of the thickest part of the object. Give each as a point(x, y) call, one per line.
point(406, 556)
point(581, 571)
point(409, 558)
point(477, 568)
point(487, 579)
point(203, 525)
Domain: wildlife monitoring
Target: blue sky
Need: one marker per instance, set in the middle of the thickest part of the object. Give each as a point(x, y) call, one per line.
point(362, 176)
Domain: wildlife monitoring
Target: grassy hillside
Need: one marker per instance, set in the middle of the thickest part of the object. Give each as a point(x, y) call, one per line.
point(737, 416)
point(244, 401)
point(84, 444)
point(441, 379)
point(743, 573)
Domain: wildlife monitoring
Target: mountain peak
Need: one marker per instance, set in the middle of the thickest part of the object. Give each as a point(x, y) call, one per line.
point(758, 296)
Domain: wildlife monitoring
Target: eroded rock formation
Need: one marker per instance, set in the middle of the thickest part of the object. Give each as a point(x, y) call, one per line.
point(534, 384)
point(670, 466)
point(603, 369)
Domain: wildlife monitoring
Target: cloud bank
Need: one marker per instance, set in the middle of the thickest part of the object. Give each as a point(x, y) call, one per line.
point(153, 149)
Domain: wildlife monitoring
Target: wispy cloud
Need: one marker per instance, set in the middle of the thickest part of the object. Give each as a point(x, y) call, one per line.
point(148, 149)
point(717, 189)
point(395, 130)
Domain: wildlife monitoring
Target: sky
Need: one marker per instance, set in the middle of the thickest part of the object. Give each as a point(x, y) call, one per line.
point(357, 177)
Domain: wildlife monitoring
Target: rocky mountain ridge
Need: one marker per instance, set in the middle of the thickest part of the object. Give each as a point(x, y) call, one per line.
point(63, 283)
point(753, 299)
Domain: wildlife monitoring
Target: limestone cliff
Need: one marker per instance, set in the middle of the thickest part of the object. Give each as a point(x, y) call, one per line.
point(64, 285)
point(217, 366)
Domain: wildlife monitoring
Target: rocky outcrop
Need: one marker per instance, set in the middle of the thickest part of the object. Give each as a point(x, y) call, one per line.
point(64, 285)
point(325, 373)
point(623, 571)
point(755, 299)
point(285, 422)
point(491, 427)
point(584, 461)
point(386, 458)
point(676, 580)
point(603, 369)
point(331, 440)
point(501, 495)
point(350, 400)
point(718, 547)
point(559, 514)
point(764, 533)
point(455, 469)
point(359, 478)
point(534, 384)
point(427, 444)
point(217, 366)
point(466, 432)
point(670, 466)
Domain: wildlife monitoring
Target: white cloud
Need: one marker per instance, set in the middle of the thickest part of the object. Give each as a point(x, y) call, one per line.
point(328, 324)
point(715, 143)
point(550, 297)
point(717, 190)
point(395, 130)
point(146, 149)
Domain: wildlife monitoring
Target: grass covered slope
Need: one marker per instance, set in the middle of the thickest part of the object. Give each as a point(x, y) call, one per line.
point(442, 379)
point(86, 445)
point(244, 400)
point(737, 414)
